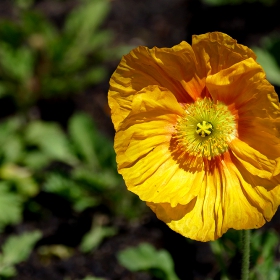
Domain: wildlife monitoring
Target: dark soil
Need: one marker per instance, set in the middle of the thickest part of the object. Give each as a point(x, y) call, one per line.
point(152, 23)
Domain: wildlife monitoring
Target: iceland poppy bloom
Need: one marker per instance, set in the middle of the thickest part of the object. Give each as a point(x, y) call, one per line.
point(197, 135)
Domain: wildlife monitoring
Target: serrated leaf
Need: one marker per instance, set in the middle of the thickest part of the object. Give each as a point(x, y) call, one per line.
point(17, 248)
point(145, 257)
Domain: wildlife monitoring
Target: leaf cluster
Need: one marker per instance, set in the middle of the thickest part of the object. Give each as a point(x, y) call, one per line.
point(39, 59)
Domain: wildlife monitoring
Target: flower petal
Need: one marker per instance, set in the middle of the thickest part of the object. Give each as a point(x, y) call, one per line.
point(252, 99)
point(216, 51)
point(252, 160)
point(226, 200)
point(172, 68)
point(145, 158)
point(244, 86)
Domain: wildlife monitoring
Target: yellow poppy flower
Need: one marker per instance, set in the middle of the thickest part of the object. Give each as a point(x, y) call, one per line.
point(197, 135)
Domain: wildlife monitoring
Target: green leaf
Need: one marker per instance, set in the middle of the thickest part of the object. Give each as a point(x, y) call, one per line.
point(36, 160)
point(10, 33)
point(21, 57)
point(15, 250)
point(7, 271)
point(18, 248)
point(81, 130)
point(38, 30)
point(263, 247)
point(21, 177)
point(84, 20)
point(8, 129)
point(95, 75)
point(10, 206)
point(93, 278)
point(95, 236)
point(13, 148)
point(236, 2)
point(67, 188)
point(145, 257)
point(269, 64)
point(101, 180)
point(24, 4)
point(51, 140)
point(80, 28)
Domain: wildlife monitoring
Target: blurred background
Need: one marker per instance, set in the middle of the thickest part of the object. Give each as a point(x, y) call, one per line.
point(65, 213)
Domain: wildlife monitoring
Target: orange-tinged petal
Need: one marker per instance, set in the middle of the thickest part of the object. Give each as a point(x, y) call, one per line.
point(244, 85)
point(172, 68)
point(252, 160)
point(226, 200)
point(144, 152)
point(261, 192)
point(216, 51)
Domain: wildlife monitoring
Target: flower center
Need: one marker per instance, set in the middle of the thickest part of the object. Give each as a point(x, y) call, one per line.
point(206, 129)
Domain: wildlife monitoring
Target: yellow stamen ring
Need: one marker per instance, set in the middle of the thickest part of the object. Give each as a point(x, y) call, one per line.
point(204, 128)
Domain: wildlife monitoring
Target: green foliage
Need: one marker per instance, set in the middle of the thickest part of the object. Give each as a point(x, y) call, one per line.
point(236, 2)
point(30, 148)
point(10, 206)
point(269, 58)
point(267, 61)
point(262, 256)
point(145, 257)
point(53, 61)
point(263, 251)
point(224, 249)
point(95, 236)
point(15, 250)
point(93, 278)
point(50, 140)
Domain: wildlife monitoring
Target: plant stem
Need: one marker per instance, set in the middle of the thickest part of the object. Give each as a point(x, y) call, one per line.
point(246, 254)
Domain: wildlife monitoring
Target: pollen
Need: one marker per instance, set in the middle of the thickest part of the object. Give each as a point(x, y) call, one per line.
point(206, 129)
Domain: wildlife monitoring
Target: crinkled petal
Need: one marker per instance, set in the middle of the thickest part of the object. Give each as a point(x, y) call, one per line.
point(144, 151)
point(253, 101)
point(244, 86)
point(172, 68)
point(216, 51)
point(254, 161)
point(227, 199)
